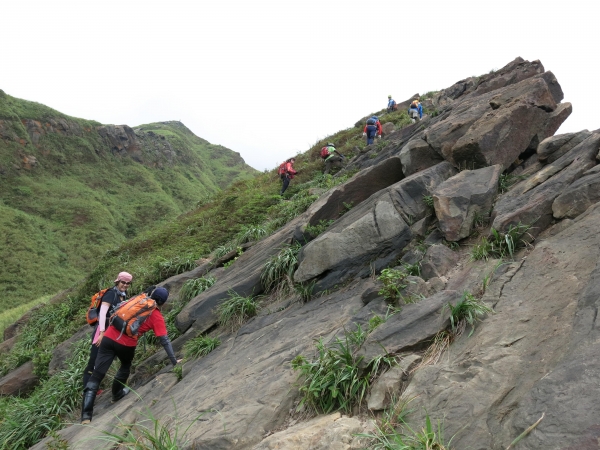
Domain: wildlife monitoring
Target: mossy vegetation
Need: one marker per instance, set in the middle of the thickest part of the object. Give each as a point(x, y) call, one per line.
point(83, 196)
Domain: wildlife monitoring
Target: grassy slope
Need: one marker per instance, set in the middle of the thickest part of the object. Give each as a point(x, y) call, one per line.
point(58, 219)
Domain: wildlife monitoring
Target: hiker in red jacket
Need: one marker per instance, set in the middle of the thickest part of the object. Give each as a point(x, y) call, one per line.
point(116, 344)
point(372, 129)
point(287, 172)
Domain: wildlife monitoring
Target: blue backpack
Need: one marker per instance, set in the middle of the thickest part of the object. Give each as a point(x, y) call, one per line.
point(372, 120)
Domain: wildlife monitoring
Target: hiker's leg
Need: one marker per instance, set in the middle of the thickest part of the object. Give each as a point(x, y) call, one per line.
point(103, 361)
point(125, 355)
point(327, 166)
point(87, 372)
point(286, 183)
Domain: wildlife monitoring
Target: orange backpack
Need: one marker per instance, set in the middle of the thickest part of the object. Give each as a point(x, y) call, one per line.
point(129, 316)
point(91, 314)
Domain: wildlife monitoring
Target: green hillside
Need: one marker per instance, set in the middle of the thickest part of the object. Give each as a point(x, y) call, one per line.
point(71, 189)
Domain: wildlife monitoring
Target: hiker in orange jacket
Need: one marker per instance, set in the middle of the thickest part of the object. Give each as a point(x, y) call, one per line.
point(287, 172)
point(116, 344)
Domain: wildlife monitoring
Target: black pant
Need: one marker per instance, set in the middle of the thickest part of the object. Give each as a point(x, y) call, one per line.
point(107, 352)
point(286, 182)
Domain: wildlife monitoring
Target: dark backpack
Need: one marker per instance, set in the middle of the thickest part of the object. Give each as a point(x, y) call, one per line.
point(325, 152)
point(372, 121)
point(93, 311)
point(129, 316)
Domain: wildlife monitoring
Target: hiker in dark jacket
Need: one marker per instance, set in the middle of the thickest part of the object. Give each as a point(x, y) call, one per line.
point(287, 174)
point(110, 299)
point(116, 344)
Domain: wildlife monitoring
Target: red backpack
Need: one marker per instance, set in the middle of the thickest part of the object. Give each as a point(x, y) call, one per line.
point(282, 170)
point(129, 316)
point(325, 152)
point(91, 314)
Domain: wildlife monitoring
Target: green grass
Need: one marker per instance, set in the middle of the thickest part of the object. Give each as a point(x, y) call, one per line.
point(234, 311)
point(200, 346)
point(31, 418)
point(59, 219)
point(500, 244)
point(392, 280)
point(393, 432)
point(280, 268)
point(10, 316)
point(194, 287)
point(467, 311)
point(333, 381)
point(149, 433)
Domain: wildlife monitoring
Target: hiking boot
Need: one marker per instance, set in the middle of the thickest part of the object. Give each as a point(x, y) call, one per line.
point(119, 395)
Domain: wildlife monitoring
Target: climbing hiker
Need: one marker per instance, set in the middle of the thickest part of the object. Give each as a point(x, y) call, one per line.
point(119, 344)
point(391, 104)
point(109, 299)
point(286, 172)
point(415, 110)
point(372, 129)
point(331, 156)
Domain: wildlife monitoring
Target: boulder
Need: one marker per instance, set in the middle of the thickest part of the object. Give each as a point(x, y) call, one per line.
point(387, 129)
point(579, 196)
point(329, 432)
point(418, 155)
point(438, 260)
point(375, 229)
point(553, 147)
point(496, 127)
point(389, 385)
point(410, 329)
point(62, 352)
point(458, 200)
point(20, 381)
point(530, 201)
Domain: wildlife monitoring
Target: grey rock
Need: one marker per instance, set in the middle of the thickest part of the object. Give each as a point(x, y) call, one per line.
point(459, 199)
point(579, 196)
point(553, 147)
point(418, 155)
point(530, 201)
point(20, 381)
point(438, 260)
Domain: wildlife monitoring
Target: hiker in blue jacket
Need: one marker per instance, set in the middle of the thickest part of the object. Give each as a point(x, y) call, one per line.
point(391, 107)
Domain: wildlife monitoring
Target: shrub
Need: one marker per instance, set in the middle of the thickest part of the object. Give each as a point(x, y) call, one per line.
point(234, 311)
point(315, 230)
point(200, 346)
point(280, 268)
point(500, 245)
point(194, 287)
point(250, 233)
point(467, 311)
point(392, 283)
point(428, 200)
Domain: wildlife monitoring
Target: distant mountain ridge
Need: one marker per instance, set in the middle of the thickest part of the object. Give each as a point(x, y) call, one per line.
point(72, 188)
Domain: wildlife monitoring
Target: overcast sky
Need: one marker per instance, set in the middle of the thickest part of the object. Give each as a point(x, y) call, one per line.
point(269, 78)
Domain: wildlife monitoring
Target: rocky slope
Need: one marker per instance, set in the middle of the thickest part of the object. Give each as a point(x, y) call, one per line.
point(534, 356)
point(73, 188)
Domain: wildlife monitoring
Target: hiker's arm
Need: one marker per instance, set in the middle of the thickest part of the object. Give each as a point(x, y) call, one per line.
point(102, 319)
point(166, 343)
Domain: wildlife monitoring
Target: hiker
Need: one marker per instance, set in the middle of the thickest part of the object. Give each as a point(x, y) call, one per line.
point(118, 344)
point(391, 104)
point(287, 172)
point(110, 299)
point(331, 157)
point(372, 129)
point(415, 111)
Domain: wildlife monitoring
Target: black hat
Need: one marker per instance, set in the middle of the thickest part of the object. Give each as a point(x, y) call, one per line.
point(161, 295)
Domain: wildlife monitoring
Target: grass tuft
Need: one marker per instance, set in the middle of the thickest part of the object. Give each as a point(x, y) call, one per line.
point(234, 311)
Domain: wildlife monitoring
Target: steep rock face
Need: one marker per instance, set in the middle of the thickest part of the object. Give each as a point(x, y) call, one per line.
point(374, 230)
point(531, 357)
point(534, 354)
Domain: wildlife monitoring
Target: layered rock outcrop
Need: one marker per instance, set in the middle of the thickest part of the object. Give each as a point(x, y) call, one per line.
point(534, 355)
